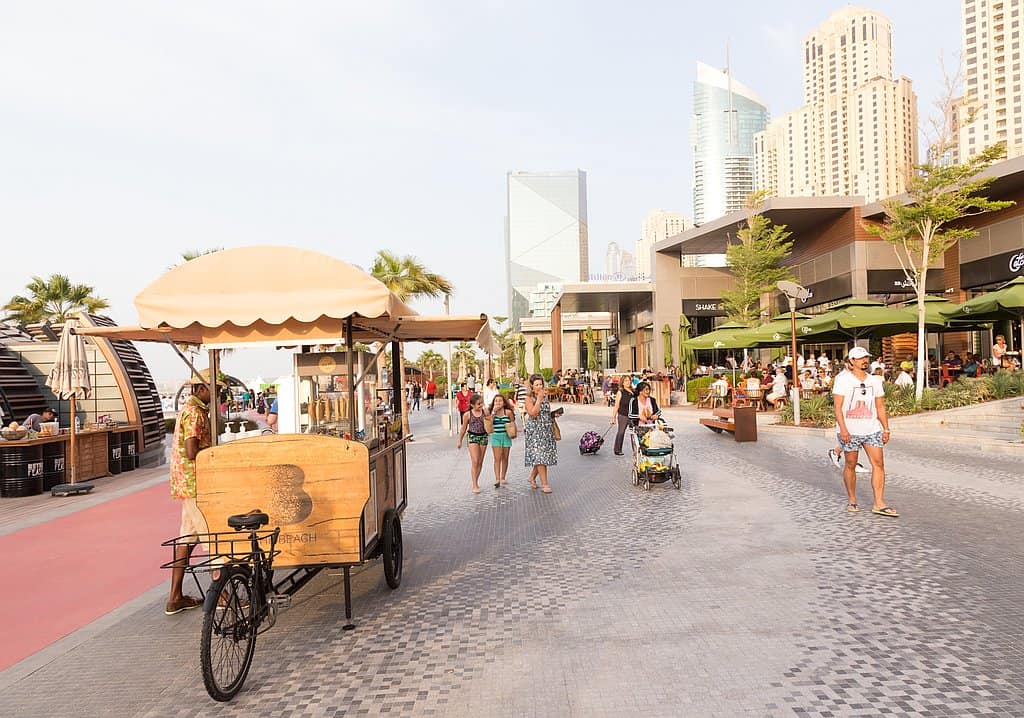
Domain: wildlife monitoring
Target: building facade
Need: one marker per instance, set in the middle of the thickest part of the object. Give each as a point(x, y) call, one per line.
point(658, 225)
point(992, 77)
point(857, 133)
point(613, 259)
point(545, 234)
point(726, 117)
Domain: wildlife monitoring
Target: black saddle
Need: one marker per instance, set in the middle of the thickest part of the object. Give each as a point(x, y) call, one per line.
point(248, 522)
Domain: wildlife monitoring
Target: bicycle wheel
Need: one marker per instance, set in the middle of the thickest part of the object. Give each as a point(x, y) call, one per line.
point(229, 633)
point(392, 550)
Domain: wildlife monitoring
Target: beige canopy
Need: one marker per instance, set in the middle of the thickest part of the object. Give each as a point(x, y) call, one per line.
point(281, 295)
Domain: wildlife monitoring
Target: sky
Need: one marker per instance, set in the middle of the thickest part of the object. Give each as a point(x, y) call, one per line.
point(133, 132)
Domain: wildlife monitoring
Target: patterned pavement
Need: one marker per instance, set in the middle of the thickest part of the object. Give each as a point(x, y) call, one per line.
point(750, 592)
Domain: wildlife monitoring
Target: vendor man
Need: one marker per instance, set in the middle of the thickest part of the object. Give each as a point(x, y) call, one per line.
point(191, 435)
point(34, 421)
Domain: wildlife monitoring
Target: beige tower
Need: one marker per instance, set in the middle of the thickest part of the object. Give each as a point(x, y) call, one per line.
point(857, 133)
point(992, 77)
point(658, 225)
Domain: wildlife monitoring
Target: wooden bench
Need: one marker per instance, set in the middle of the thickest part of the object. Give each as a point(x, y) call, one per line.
point(741, 422)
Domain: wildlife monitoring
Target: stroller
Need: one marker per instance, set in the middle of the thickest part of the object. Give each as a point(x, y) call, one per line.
point(653, 465)
point(591, 442)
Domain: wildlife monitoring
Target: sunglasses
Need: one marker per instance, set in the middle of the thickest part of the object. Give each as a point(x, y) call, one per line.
point(863, 389)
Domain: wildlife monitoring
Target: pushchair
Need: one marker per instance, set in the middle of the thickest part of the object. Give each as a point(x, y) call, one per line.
point(653, 465)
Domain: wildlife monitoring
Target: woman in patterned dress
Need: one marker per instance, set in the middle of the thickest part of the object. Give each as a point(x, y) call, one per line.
point(541, 450)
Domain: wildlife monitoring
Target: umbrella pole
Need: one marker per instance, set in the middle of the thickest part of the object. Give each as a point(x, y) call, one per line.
point(72, 461)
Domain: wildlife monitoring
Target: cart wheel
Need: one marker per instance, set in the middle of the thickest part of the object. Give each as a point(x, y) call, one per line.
point(229, 633)
point(647, 484)
point(392, 551)
point(715, 429)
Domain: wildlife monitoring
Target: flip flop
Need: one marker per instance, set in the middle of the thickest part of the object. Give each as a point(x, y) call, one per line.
point(545, 490)
point(852, 508)
point(886, 511)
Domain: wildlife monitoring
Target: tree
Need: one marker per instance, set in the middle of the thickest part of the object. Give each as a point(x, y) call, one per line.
point(464, 352)
point(431, 362)
point(54, 300)
point(407, 278)
point(924, 225)
point(756, 263)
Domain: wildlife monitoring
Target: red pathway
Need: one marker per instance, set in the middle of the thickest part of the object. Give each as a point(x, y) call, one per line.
point(63, 574)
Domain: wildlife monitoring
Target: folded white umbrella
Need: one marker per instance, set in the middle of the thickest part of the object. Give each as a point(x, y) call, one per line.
point(69, 380)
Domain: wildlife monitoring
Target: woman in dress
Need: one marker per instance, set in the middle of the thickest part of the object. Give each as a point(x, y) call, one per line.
point(541, 450)
point(501, 442)
point(478, 425)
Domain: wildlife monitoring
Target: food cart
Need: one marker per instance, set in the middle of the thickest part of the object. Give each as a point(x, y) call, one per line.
point(334, 492)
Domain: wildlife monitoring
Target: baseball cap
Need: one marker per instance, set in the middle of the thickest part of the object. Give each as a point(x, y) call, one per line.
point(859, 353)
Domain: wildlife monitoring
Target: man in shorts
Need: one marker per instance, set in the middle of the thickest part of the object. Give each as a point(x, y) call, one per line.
point(431, 391)
point(191, 435)
point(862, 423)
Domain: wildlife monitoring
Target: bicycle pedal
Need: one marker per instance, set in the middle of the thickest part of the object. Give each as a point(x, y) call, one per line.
point(281, 600)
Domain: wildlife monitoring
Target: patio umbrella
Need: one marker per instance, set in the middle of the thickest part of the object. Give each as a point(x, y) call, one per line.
point(856, 319)
point(1007, 302)
point(590, 337)
point(666, 335)
point(686, 359)
point(69, 379)
point(537, 345)
point(521, 356)
point(727, 336)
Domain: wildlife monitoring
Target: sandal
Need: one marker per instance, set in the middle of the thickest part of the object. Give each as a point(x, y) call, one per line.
point(533, 484)
point(852, 508)
point(545, 490)
point(886, 511)
point(497, 484)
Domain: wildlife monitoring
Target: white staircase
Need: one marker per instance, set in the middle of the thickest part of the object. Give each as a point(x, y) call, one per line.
point(994, 422)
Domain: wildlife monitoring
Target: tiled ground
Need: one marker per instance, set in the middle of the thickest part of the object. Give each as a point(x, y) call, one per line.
point(749, 592)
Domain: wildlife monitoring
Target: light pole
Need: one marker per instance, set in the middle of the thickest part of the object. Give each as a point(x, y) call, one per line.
point(794, 292)
point(448, 374)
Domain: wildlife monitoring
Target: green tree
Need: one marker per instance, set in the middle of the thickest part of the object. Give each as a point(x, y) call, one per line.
point(924, 225)
point(755, 260)
point(430, 361)
point(54, 300)
point(464, 352)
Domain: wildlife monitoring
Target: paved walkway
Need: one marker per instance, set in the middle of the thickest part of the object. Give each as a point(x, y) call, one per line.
point(749, 592)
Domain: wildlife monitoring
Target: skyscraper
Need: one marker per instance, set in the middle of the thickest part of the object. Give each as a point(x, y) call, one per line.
point(545, 234)
point(613, 259)
point(992, 77)
point(857, 133)
point(658, 225)
point(726, 115)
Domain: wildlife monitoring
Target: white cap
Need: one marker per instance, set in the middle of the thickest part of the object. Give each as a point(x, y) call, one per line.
point(859, 353)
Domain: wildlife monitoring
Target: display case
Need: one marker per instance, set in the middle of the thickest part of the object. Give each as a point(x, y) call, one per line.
point(323, 397)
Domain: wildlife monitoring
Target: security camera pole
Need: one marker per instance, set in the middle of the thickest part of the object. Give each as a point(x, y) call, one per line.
point(793, 292)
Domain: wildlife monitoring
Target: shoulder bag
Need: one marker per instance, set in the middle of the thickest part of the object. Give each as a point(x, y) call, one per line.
point(510, 426)
point(556, 432)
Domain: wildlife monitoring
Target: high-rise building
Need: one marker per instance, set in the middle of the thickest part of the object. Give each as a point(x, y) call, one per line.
point(629, 268)
point(992, 77)
point(545, 234)
point(613, 260)
point(857, 133)
point(658, 225)
point(726, 116)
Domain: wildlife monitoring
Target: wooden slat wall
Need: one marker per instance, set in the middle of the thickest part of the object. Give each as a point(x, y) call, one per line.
point(21, 394)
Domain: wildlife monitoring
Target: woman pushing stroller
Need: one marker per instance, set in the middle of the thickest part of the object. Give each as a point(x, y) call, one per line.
point(643, 408)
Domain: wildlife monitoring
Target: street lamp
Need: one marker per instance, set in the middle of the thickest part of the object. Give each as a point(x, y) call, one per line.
point(794, 292)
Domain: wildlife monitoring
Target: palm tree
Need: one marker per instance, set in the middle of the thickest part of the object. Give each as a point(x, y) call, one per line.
point(408, 278)
point(189, 254)
point(431, 361)
point(464, 352)
point(53, 300)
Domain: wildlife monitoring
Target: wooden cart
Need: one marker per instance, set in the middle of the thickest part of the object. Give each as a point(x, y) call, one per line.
point(334, 501)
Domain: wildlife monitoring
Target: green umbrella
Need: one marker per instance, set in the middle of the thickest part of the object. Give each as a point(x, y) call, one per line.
point(537, 344)
point(590, 338)
point(856, 319)
point(666, 335)
point(777, 331)
point(727, 336)
point(1007, 302)
point(521, 356)
point(687, 362)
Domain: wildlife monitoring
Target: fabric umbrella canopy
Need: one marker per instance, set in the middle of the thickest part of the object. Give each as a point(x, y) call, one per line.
point(666, 335)
point(590, 337)
point(537, 345)
point(521, 356)
point(777, 331)
point(69, 380)
point(687, 363)
point(856, 319)
point(727, 336)
point(1007, 302)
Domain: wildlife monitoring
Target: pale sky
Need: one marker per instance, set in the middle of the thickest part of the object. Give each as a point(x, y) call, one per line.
point(131, 132)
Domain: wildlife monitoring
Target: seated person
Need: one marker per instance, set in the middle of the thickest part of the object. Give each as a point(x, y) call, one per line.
point(779, 385)
point(34, 421)
point(904, 378)
point(908, 363)
point(808, 382)
point(971, 365)
point(753, 382)
point(720, 385)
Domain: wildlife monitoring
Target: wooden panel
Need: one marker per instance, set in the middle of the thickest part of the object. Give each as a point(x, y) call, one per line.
point(91, 455)
point(20, 395)
point(313, 487)
point(812, 243)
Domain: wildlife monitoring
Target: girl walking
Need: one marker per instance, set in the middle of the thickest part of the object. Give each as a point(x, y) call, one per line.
point(478, 425)
point(501, 443)
point(541, 450)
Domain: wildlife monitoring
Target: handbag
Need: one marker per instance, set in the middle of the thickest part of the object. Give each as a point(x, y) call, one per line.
point(510, 427)
point(555, 430)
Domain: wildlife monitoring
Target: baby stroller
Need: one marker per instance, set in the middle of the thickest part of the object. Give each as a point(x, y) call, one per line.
point(591, 442)
point(653, 464)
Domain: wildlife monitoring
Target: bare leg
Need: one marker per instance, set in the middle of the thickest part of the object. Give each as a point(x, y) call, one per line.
point(850, 476)
point(542, 471)
point(496, 450)
point(533, 477)
point(182, 554)
point(877, 474)
point(476, 456)
point(504, 465)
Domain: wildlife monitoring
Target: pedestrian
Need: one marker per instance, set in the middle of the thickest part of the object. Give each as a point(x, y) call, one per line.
point(862, 423)
point(521, 392)
point(417, 392)
point(502, 417)
point(191, 435)
point(490, 391)
point(620, 414)
point(471, 382)
point(541, 449)
point(431, 392)
point(478, 425)
point(643, 408)
point(462, 398)
point(836, 455)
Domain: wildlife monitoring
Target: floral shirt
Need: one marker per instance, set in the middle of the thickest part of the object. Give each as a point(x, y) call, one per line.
point(193, 423)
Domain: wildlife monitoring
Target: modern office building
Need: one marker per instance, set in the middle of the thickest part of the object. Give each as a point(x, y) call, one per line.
point(726, 116)
point(857, 133)
point(613, 259)
point(657, 226)
point(992, 77)
point(545, 234)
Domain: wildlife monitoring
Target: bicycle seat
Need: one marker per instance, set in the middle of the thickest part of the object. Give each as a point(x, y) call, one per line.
point(248, 522)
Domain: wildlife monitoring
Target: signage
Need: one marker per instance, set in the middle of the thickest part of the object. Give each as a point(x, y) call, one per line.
point(894, 281)
point(617, 277)
point(828, 290)
point(703, 308)
point(997, 268)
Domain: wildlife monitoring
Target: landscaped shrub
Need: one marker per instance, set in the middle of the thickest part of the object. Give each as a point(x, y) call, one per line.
point(1005, 384)
point(899, 400)
point(818, 411)
point(696, 387)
